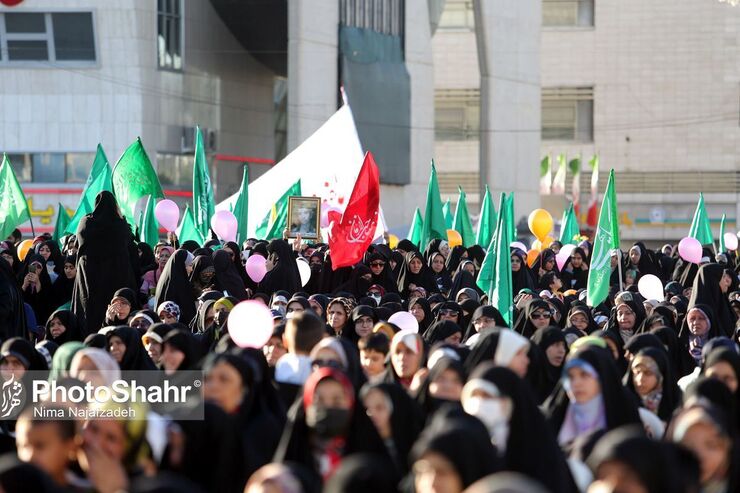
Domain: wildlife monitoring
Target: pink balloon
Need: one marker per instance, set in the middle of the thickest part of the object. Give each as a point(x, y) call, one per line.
point(521, 246)
point(563, 255)
point(167, 214)
point(730, 241)
point(405, 321)
point(224, 225)
point(690, 250)
point(256, 268)
point(250, 324)
point(325, 214)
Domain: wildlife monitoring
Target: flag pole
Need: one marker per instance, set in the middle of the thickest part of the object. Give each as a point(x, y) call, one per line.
point(30, 219)
point(619, 267)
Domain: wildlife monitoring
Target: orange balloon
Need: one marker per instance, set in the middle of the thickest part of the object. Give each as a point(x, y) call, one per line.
point(23, 248)
point(532, 256)
point(540, 223)
point(453, 238)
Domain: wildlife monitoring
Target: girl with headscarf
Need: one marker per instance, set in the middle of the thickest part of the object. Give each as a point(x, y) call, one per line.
point(537, 314)
point(326, 425)
point(504, 347)
point(406, 357)
point(440, 273)
point(415, 273)
point(124, 344)
point(147, 261)
point(457, 255)
point(359, 282)
point(338, 313)
point(575, 271)
point(422, 312)
point(442, 386)
point(651, 379)
point(484, 317)
point(122, 304)
point(521, 275)
point(96, 366)
point(381, 271)
point(51, 254)
point(544, 263)
point(62, 327)
point(178, 352)
point(107, 260)
point(710, 287)
point(203, 275)
point(590, 397)
point(174, 286)
point(227, 277)
point(641, 259)
point(235, 254)
point(65, 283)
point(443, 331)
point(699, 327)
point(505, 404)
point(723, 364)
point(627, 316)
point(282, 271)
point(151, 278)
point(36, 286)
point(396, 416)
point(552, 349)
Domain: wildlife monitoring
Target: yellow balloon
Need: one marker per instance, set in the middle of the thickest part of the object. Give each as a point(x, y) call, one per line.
point(532, 256)
point(23, 248)
point(540, 223)
point(392, 241)
point(547, 241)
point(453, 238)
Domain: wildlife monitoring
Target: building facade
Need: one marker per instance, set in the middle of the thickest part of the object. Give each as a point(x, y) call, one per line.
point(652, 88)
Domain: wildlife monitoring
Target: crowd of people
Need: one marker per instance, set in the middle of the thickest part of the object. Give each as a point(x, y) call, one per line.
point(632, 395)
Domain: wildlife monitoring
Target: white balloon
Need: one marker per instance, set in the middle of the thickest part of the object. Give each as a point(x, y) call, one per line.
point(405, 321)
point(304, 270)
point(650, 287)
point(730, 241)
point(521, 246)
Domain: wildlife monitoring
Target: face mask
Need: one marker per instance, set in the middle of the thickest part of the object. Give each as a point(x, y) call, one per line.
point(489, 411)
point(220, 318)
point(376, 297)
point(327, 422)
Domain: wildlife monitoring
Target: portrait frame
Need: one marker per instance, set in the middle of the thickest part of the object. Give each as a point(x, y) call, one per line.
point(298, 226)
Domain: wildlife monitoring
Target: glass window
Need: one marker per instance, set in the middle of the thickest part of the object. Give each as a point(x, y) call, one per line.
point(567, 114)
point(22, 23)
point(73, 36)
point(78, 166)
point(28, 50)
point(564, 13)
point(21, 164)
point(457, 114)
point(458, 14)
point(48, 167)
point(169, 34)
point(175, 170)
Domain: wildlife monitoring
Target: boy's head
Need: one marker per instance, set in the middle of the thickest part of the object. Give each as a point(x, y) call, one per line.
point(303, 332)
point(46, 443)
point(373, 351)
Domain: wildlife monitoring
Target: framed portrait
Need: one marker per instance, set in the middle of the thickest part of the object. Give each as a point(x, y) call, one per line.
point(304, 217)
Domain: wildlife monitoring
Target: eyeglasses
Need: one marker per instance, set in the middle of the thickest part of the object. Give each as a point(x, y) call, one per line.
point(541, 315)
point(377, 264)
point(140, 324)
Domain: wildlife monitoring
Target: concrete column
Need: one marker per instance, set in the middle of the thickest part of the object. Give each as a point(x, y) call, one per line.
point(508, 39)
point(313, 36)
point(399, 202)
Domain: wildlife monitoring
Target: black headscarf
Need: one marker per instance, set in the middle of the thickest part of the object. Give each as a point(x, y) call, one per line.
point(174, 285)
point(237, 261)
point(356, 284)
point(531, 447)
point(129, 295)
point(484, 311)
point(72, 329)
point(63, 287)
point(201, 263)
point(549, 374)
point(727, 355)
point(147, 261)
point(285, 274)
point(441, 330)
point(442, 278)
point(183, 342)
point(524, 278)
point(671, 394)
point(706, 290)
point(385, 278)
point(542, 259)
point(620, 405)
point(647, 263)
point(227, 277)
point(428, 317)
point(107, 261)
point(461, 280)
point(429, 403)
point(424, 279)
point(524, 324)
point(455, 257)
point(681, 361)
point(13, 314)
point(41, 301)
point(135, 357)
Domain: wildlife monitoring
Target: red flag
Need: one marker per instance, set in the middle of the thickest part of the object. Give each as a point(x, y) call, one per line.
point(350, 235)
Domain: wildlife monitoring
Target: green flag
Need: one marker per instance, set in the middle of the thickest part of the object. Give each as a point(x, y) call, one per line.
point(462, 222)
point(99, 179)
point(241, 208)
point(149, 228)
point(62, 222)
point(434, 219)
point(134, 178)
point(722, 247)
point(509, 208)
point(187, 230)
point(446, 211)
point(13, 206)
point(569, 231)
point(700, 228)
point(417, 225)
point(203, 206)
point(495, 274)
point(274, 223)
point(606, 239)
point(487, 220)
